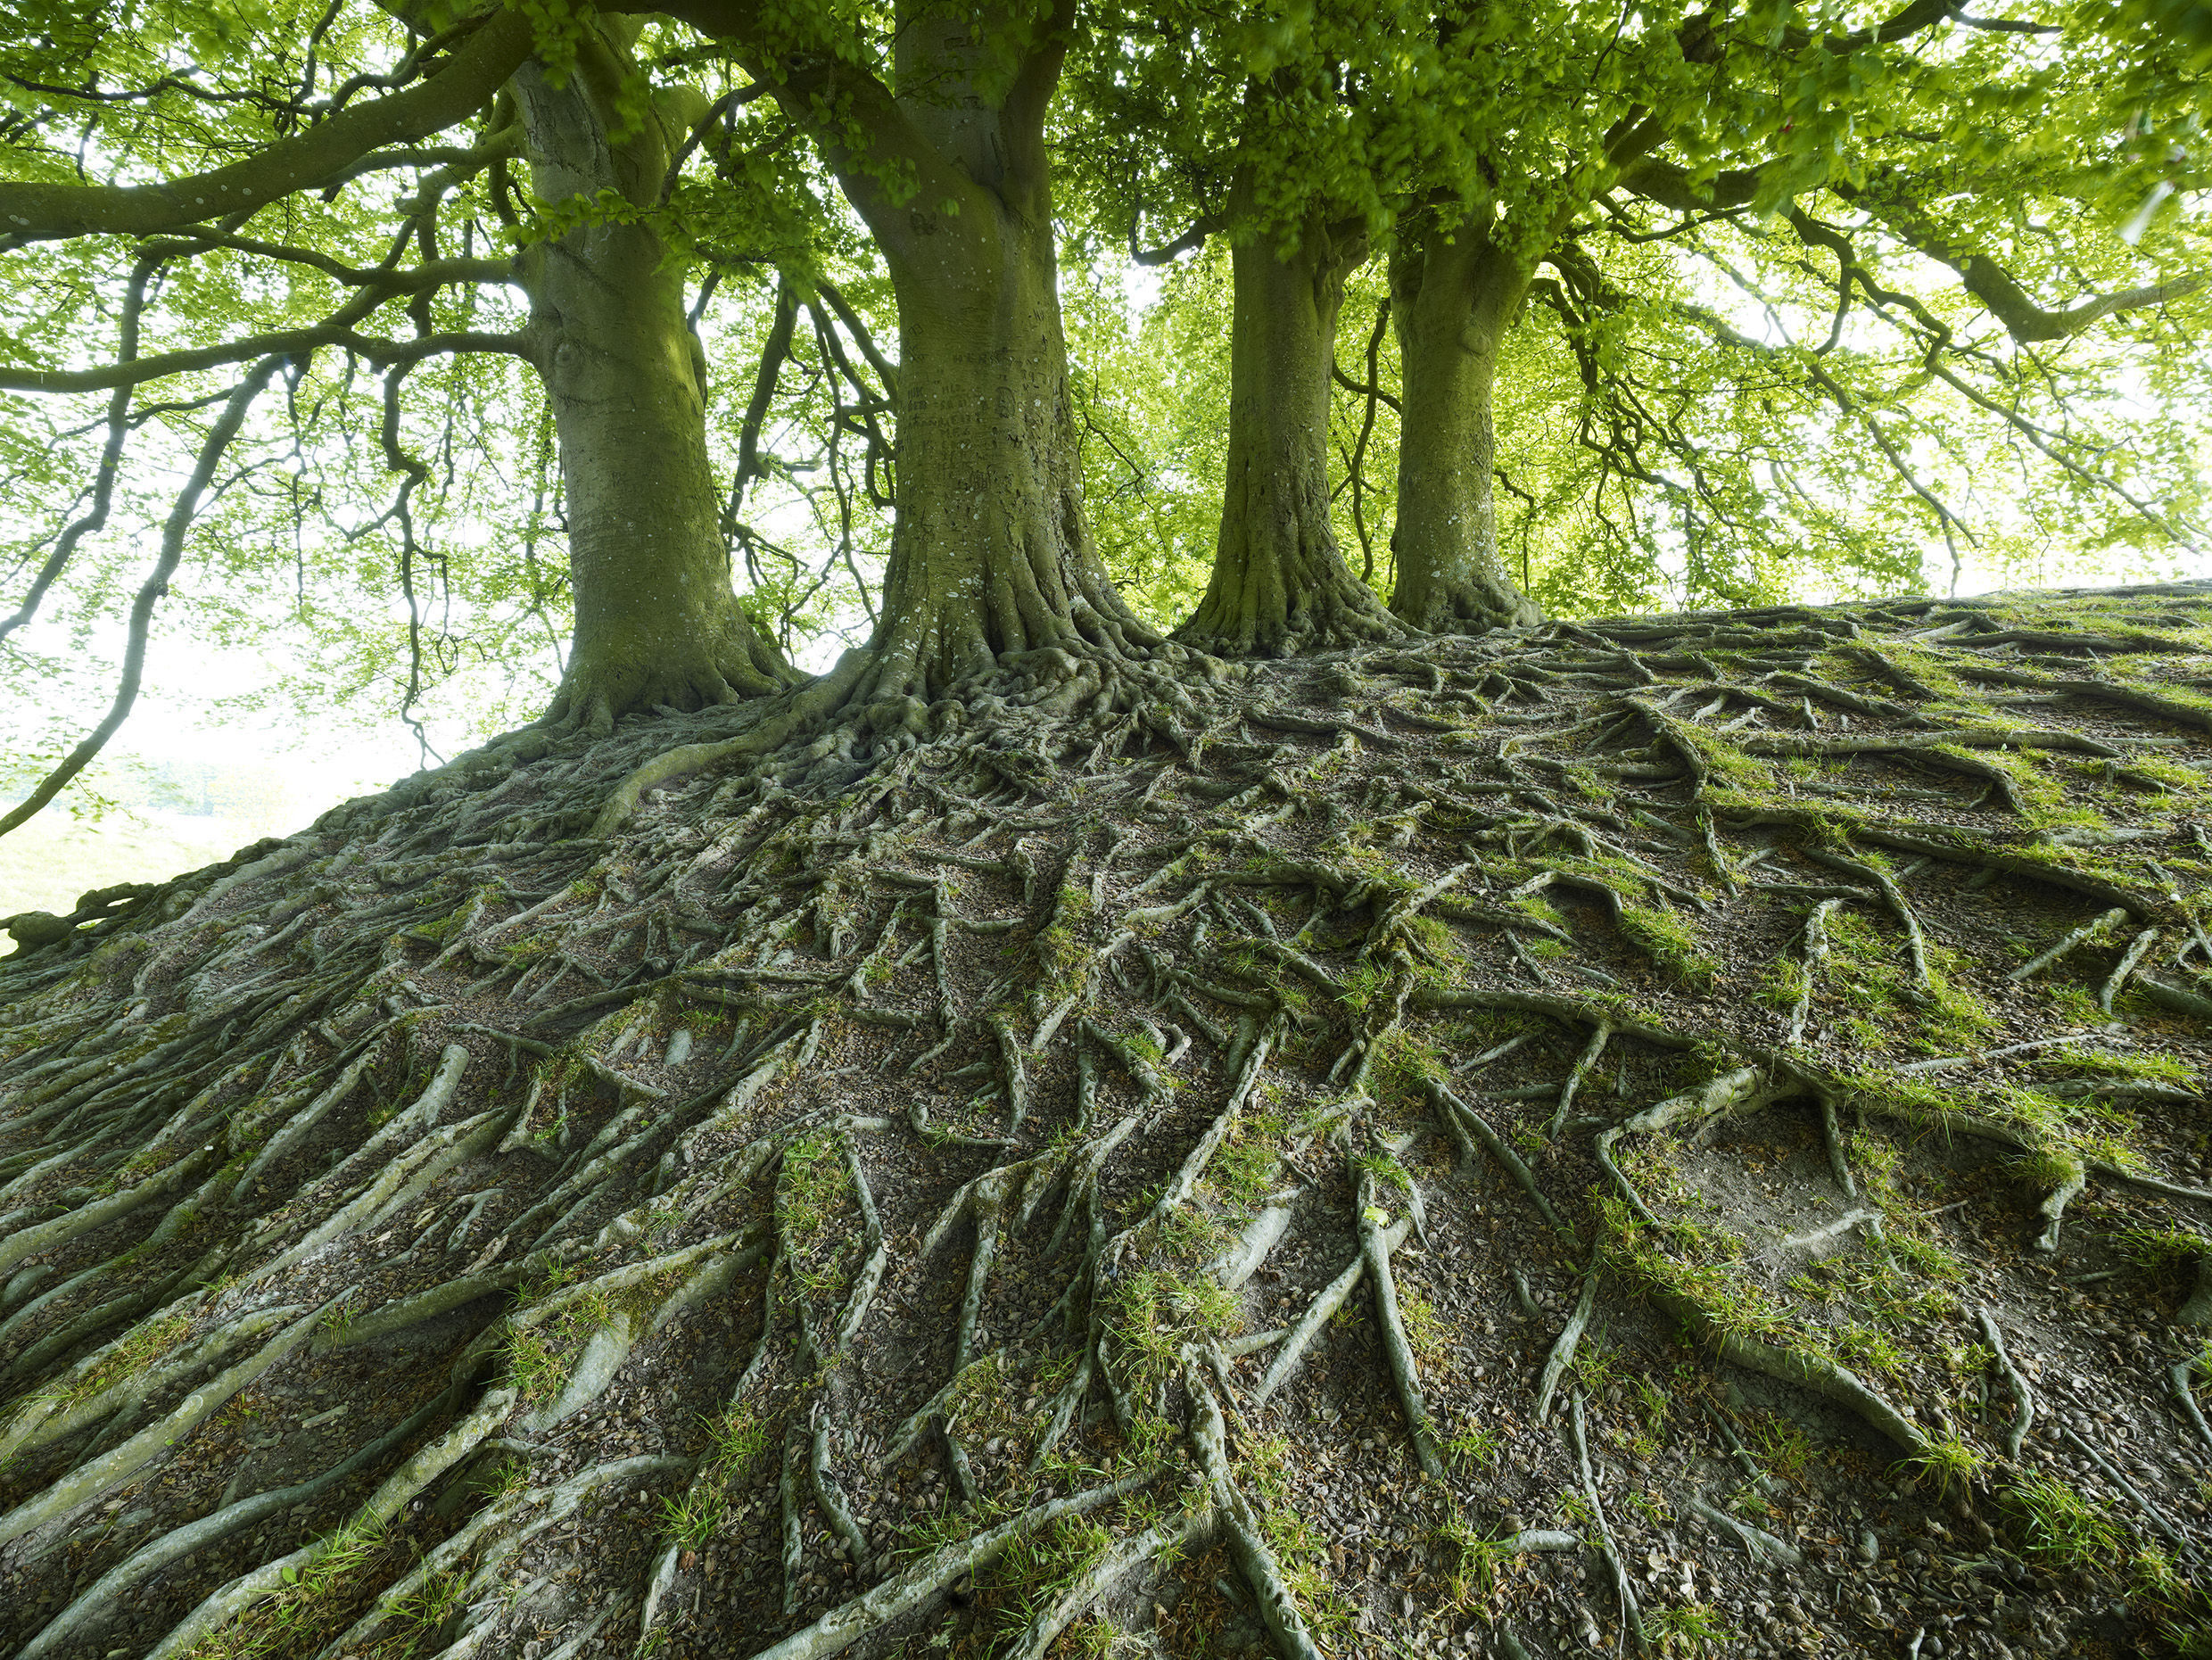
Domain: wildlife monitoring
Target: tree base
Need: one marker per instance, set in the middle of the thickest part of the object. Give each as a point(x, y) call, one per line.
point(1059, 1160)
point(1331, 612)
point(610, 679)
point(1466, 608)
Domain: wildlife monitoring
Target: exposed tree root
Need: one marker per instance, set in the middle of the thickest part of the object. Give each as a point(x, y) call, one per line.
point(875, 1149)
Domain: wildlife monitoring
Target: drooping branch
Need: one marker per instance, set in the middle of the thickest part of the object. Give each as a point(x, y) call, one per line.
point(92, 522)
point(173, 533)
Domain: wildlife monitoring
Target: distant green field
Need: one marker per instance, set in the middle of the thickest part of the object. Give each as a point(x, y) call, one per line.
point(46, 863)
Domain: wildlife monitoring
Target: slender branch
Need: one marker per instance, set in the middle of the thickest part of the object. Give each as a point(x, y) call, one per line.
point(860, 335)
point(111, 456)
point(772, 355)
point(173, 533)
point(287, 342)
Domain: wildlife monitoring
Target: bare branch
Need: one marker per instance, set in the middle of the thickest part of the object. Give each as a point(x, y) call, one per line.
point(173, 534)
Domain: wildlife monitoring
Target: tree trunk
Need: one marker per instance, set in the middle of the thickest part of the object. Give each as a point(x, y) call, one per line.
point(991, 550)
point(1451, 300)
point(657, 621)
point(1280, 584)
point(991, 553)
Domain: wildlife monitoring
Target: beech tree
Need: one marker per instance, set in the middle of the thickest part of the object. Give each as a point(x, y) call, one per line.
point(1599, 1134)
point(1194, 119)
point(1471, 150)
point(1492, 146)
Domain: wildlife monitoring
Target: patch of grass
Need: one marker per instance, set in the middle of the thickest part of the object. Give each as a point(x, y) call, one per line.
point(2063, 1528)
point(1364, 985)
point(2075, 1004)
point(1538, 909)
point(2157, 1069)
point(1872, 979)
point(1472, 1445)
point(1653, 1508)
point(816, 1214)
point(1061, 954)
point(1672, 943)
point(737, 1439)
point(144, 1345)
point(1726, 765)
point(695, 1517)
point(311, 1603)
point(1782, 982)
point(1781, 1445)
point(1402, 1060)
point(413, 1620)
point(1244, 1172)
point(508, 1479)
point(1157, 1310)
point(1299, 1547)
point(1424, 1329)
point(1949, 1462)
point(1926, 1257)
point(1037, 1567)
point(538, 1354)
point(1598, 1364)
point(1688, 1629)
point(1478, 1563)
point(1867, 1349)
point(2169, 776)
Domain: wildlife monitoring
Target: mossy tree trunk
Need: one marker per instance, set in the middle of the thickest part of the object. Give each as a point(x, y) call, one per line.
point(991, 552)
point(657, 621)
point(1453, 295)
point(1280, 584)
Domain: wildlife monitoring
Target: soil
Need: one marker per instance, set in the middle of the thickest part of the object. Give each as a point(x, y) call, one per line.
point(1032, 1021)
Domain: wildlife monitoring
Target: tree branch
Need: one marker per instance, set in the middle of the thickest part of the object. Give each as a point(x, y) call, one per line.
point(1203, 227)
point(861, 338)
point(289, 342)
point(1915, 19)
point(468, 80)
point(1996, 288)
point(173, 533)
point(837, 102)
point(772, 355)
point(110, 455)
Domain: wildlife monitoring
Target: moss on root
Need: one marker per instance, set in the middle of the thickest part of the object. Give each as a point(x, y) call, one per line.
point(1010, 1183)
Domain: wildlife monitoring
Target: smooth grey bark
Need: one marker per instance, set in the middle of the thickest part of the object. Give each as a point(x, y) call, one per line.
point(1453, 295)
point(1279, 583)
point(657, 621)
point(991, 553)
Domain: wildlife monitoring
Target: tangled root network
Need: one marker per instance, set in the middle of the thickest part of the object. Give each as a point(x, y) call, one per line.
point(1670, 1135)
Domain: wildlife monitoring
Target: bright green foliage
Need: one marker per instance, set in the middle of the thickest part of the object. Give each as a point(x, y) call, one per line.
point(1802, 296)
